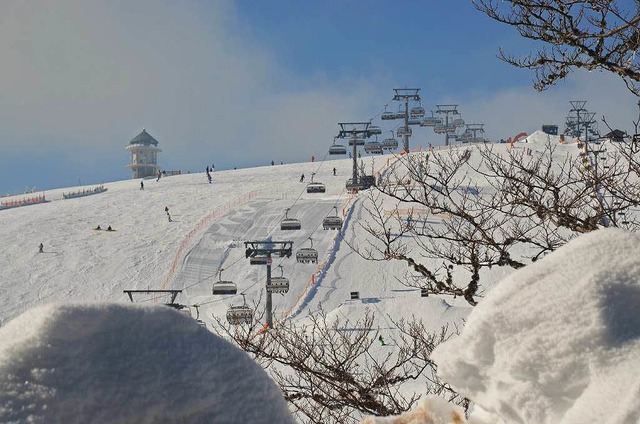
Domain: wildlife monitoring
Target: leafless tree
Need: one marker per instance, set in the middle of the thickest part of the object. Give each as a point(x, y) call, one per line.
point(429, 210)
point(587, 34)
point(331, 371)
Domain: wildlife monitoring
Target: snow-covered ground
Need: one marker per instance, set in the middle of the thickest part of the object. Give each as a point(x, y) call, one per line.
point(210, 223)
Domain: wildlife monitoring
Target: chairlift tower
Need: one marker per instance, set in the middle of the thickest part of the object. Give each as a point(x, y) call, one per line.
point(447, 110)
point(577, 106)
point(353, 131)
point(475, 129)
point(266, 248)
point(405, 95)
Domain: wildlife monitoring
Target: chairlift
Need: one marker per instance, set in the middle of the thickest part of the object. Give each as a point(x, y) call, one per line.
point(413, 122)
point(439, 128)
point(404, 131)
point(289, 223)
point(278, 284)
point(307, 254)
point(332, 222)
point(450, 128)
point(430, 121)
point(223, 287)
point(241, 314)
point(258, 260)
point(417, 112)
point(337, 149)
point(315, 187)
point(373, 147)
point(390, 144)
point(357, 141)
point(388, 115)
point(374, 130)
point(458, 122)
point(400, 114)
point(198, 320)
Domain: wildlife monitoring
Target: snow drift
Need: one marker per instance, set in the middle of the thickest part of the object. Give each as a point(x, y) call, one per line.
point(119, 363)
point(558, 341)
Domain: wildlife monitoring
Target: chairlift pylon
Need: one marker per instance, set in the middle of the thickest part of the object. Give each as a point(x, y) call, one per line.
point(221, 287)
point(332, 222)
point(241, 314)
point(278, 284)
point(289, 223)
point(307, 254)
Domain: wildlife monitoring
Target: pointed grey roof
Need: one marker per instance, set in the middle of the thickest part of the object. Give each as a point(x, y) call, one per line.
point(144, 138)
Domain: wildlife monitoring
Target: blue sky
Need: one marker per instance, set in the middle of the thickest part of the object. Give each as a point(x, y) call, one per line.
point(241, 83)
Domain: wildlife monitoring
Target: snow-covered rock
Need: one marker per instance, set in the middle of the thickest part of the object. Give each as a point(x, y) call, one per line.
point(559, 340)
point(120, 363)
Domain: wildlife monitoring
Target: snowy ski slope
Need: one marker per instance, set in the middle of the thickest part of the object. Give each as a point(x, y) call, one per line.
point(210, 224)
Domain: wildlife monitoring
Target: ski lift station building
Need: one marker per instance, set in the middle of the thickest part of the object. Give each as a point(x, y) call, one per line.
point(144, 155)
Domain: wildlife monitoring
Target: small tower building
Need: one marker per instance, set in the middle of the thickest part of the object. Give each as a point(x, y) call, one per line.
point(144, 155)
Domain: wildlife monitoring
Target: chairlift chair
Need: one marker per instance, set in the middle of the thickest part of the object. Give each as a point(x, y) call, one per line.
point(258, 260)
point(417, 112)
point(307, 254)
point(458, 122)
point(332, 222)
point(390, 144)
point(337, 149)
point(278, 284)
point(373, 147)
point(241, 314)
point(439, 128)
point(404, 131)
point(315, 187)
point(357, 141)
point(289, 223)
point(387, 115)
point(374, 130)
point(221, 287)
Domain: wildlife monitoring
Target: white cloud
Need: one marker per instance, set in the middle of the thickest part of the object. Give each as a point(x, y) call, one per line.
point(512, 110)
point(91, 75)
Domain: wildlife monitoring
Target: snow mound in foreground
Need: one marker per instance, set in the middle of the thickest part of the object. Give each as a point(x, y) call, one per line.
point(559, 340)
point(119, 363)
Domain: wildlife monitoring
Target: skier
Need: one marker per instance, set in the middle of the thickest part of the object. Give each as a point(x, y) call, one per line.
point(159, 175)
point(381, 340)
point(209, 177)
point(166, 209)
point(41, 248)
point(207, 169)
point(141, 185)
point(272, 163)
point(302, 178)
point(334, 171)
point(109, 228)
point(313, 158)
point(98, 228)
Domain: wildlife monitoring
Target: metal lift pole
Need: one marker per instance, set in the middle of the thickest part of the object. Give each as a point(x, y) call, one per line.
point(269, 300)
point(355, 163)
point(405, 137)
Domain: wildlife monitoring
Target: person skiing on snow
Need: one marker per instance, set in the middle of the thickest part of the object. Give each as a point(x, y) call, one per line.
point(41, 248)
point(381, 340)
point(141, 185)
point(302, 178)
point(334, 171)
point(209, 177)
point(159, 175)
point(166, 209)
